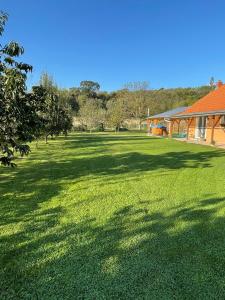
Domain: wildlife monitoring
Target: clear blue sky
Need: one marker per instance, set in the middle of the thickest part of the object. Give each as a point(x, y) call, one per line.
point(168, 43)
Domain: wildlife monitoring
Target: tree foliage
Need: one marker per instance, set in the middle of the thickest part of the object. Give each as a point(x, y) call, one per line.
point(117, 109)
point(93, 115)
point(18, 110)
point(138, 104)
point(25, 116)
point(89, 86)
point(56, 114)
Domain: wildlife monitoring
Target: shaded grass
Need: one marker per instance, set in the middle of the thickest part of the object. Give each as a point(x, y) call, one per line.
point(113, 216)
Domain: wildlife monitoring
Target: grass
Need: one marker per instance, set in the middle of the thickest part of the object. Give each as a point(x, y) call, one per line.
point(114, 216)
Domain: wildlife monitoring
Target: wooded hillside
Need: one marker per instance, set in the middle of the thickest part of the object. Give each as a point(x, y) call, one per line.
point(98, 109)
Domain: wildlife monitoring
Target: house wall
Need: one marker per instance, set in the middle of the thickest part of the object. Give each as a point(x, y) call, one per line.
point(219, 131)
point(219, 135)
point(175, 127)
point(191, 132)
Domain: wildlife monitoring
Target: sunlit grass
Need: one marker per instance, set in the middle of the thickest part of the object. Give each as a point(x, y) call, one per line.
point(113, 216)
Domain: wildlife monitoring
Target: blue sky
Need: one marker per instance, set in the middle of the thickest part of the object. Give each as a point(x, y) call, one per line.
point(165, 42)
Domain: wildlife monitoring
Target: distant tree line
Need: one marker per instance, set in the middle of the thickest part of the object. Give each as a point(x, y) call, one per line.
point(99, 110)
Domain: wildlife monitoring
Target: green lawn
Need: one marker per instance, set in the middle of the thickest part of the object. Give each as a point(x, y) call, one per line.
point(114, 216)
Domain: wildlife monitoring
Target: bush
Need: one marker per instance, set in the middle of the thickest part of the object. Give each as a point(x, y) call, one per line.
point(80, 128)
point(123, 129)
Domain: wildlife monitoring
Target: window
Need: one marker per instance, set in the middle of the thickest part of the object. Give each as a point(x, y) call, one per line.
point(201, 122)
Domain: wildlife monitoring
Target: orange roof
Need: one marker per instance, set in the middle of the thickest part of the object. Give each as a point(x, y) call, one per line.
point(213, 102)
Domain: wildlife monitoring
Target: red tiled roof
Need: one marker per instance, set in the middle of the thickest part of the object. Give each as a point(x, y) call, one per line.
point(214, 101)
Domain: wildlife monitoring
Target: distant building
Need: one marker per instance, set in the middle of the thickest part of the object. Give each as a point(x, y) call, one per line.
point(160, 124)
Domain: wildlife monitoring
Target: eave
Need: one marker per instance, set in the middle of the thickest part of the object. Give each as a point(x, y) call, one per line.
point(200, 114)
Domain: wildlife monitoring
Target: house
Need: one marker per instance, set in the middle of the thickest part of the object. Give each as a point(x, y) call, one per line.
point(160, 124)
point(205, 119)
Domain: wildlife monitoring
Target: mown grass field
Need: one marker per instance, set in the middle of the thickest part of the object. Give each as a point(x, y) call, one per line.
point(114, 216)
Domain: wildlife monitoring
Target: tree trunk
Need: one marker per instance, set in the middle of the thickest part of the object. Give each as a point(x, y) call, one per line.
point(46, 138)
point(102, 127)
point(140, 121)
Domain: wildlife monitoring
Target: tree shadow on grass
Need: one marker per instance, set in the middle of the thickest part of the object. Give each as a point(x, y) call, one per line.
point(125, 163)
point(135, 254)
point(41, 182)
point(23, 192)
point(92, 140)
point(22, 248)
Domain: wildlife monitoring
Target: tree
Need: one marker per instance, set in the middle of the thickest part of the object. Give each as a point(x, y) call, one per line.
point(137, 104)
point(212, 81)
point(56, 113)
point(117, 111)
point(47, 82)
point(137, 86)
point(89, 86)
point(19, 119)
point(72, 97)
point(56, 117)
point(93, 115)
point(64, 121)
